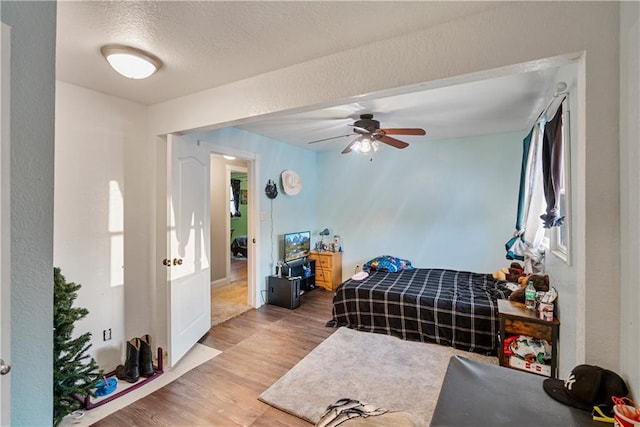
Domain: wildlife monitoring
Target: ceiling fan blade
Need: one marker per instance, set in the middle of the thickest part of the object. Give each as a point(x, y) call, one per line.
point(404, 131)
point(327, 139)
point(393, 142)
point(360, 130)
point(348, 147)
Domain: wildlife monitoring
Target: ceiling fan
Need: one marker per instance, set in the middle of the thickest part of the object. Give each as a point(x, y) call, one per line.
point(369, 133)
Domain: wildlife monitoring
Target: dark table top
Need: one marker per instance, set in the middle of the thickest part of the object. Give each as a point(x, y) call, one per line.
point(479, 394)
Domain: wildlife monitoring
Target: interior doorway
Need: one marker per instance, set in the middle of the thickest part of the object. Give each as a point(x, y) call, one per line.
point(230, 205)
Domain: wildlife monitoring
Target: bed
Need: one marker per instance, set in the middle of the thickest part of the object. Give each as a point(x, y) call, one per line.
point(448, 307)
point(239, 246)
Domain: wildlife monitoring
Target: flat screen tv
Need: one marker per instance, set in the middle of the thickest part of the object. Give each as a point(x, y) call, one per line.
point(296, 245)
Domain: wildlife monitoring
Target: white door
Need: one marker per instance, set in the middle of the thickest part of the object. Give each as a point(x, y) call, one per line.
point(188, 217)
point(5, 227)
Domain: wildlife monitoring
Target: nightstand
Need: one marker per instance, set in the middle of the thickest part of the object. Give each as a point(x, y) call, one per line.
point(516, 319)
point(328, 269)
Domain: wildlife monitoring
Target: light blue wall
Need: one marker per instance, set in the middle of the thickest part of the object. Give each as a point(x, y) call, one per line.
point(449, 204)
point(33, 45)
point(284, 213)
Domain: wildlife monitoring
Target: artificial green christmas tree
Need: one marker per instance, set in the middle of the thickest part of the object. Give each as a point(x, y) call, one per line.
point(74, 371)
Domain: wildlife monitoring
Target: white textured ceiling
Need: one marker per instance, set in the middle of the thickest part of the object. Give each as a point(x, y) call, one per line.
point(505, 104)
point(205, 44)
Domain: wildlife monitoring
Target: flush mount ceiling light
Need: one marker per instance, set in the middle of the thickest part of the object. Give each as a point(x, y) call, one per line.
point(130, 61)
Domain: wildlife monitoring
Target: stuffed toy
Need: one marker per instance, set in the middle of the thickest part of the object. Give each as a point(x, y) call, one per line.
point(501, 274)
point(511, 274)
point(540, 282)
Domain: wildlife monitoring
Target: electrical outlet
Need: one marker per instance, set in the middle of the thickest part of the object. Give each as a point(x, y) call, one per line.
point(106, 334)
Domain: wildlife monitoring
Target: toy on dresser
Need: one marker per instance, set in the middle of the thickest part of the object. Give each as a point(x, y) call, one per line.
point(540, 282)
point(517, 280)
point(512, 274)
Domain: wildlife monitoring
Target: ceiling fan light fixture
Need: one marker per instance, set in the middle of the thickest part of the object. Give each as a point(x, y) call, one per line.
point(131, 62)
point(365, 145)
point(357, 146)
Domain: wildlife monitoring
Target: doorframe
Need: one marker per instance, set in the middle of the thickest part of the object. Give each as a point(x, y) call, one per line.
point(253, 224)
point(5, 222)
point(229, 170)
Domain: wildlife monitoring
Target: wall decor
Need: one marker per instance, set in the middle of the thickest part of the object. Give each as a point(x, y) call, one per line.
point(291, 182)
point(271, 190)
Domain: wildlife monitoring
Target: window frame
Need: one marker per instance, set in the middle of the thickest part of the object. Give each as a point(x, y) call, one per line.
point(560, 248)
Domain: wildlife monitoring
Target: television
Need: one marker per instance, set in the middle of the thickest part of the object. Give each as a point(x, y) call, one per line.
point(296, 245)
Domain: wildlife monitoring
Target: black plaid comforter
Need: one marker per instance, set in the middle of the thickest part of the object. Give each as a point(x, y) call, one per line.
point(453, 308)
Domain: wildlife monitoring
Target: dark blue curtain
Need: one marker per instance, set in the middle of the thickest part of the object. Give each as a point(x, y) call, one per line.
point(552, 169)
point(511, 246)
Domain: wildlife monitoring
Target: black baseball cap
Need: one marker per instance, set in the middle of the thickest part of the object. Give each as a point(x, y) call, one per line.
point(586, 386)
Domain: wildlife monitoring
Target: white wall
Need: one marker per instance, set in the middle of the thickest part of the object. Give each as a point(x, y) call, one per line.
point(629, 196)
point(564, 275)
point(96, 139)
point(511, 33)
point(442, 204)
point(33, 35)
point(219, 227)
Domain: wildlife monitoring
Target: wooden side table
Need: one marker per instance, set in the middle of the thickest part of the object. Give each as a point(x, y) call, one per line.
point(328, 269)
point(516, 319)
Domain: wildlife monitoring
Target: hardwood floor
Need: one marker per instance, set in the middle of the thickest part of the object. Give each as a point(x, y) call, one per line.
point(230, 300)
point(258, 347)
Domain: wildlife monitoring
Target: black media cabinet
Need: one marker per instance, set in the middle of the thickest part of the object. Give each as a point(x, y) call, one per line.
point(285, 291)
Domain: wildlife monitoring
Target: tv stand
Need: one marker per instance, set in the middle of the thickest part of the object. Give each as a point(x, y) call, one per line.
point(285, 291)
point(296, 269)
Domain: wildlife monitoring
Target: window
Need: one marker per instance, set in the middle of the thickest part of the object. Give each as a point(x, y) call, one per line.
point(560, 235)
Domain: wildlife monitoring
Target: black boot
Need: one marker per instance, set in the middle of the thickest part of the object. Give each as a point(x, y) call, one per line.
point(130, 371)
point(146, 357)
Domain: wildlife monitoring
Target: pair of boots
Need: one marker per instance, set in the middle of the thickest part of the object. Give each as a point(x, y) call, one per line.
point(139, 360)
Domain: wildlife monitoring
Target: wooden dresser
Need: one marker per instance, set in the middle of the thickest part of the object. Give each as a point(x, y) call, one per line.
point(328, 269)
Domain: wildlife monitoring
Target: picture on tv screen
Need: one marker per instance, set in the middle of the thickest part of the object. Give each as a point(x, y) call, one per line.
point(296, 245)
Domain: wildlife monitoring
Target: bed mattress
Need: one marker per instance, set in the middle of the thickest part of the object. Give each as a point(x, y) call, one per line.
point(448, 307)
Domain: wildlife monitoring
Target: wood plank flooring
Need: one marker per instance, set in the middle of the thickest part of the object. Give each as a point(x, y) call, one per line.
point(230, 300)
point(258, 347)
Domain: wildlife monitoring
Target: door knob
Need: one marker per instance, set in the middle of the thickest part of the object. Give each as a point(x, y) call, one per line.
point(4, 369)
point(166, 262)
point(177, 261)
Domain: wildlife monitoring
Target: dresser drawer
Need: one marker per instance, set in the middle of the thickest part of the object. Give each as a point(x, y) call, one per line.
point(323, 275)
point(522, 327)
point(324, 262)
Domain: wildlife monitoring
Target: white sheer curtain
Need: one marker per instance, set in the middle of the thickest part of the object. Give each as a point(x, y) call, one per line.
point(536, 204)
point(527, 243)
